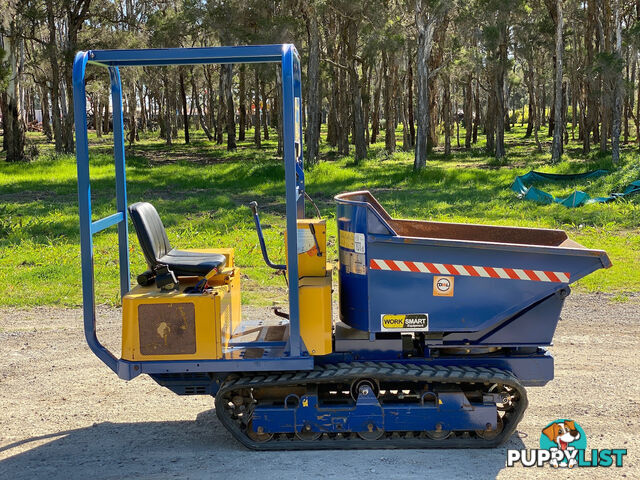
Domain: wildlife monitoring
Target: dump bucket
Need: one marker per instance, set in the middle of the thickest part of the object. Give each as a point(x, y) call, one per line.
point(463, 284)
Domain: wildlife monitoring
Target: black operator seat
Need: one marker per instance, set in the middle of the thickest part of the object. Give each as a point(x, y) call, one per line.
point(157, 249)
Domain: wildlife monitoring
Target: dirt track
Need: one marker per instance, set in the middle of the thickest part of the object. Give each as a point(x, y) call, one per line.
point(63, 414)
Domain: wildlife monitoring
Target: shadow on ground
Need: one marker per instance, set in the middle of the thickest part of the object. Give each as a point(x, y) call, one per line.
point(203, 449)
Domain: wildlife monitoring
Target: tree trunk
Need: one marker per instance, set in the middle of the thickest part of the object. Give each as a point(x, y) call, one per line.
point(499, 94)
point(332, 99)
point(343, 102)
point(356, 96)
point(242, 102)
point(468, 112)
point(46, 114)
point(314, 101)
point(589, 107)
point(185, 109)
point(558, 130)
point(618, 88)
point(446, 113)
point(211, 104)
point(490, 122)
point(227, 72)
point(366, 100)
point(433, 140)
point(277, 110)
point(625, 105)
point(536, 126)
point(14, 127)
point(507, 115)
point(389, 121)
point(637, 121)
point(144, 115)
point(221, 109)
point(457, 120)
point(196, 97)
point(410, 117)
point(55, 77)
point(133, 124)
point(167, 110)
point(476, 118)
point(543, 104)
point(173, 103)
point(98, 116)
point(67, 125)
point(257, 138)
point(265, 111)
point(404, 109)
point(425, 27)
point(530, 88)
point(375, 120)
point(405, 124)
point(574, 109)
point(107, 124)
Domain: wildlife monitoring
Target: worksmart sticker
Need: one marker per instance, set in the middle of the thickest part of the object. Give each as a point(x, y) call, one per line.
point(442, 286)
point(405, 322)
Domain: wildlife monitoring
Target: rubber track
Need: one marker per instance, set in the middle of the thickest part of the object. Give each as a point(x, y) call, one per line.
point(345, 373)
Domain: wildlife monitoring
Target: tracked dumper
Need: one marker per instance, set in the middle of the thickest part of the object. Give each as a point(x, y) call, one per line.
point(441, 325)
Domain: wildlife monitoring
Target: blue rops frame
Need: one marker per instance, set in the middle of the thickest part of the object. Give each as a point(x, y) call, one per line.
point(294, 357)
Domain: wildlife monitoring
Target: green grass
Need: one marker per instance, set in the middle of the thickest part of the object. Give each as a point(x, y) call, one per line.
point(201, 191)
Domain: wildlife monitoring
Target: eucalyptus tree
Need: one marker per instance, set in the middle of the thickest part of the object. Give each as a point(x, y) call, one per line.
point(311, 11)
point(12, 47)
point(558, 128)
point(618, 84)
point(428, 15)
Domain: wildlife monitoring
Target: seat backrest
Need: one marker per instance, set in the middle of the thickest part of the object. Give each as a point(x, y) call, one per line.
point(151, 233)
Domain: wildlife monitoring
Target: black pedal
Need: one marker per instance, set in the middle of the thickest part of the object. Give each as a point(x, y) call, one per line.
point(166, 279)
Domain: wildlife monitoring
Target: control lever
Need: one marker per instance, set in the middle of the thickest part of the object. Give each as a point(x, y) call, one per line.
point(254, 209)
point(315, 239)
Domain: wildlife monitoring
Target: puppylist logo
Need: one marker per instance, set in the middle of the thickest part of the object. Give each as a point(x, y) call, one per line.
point(563, 444)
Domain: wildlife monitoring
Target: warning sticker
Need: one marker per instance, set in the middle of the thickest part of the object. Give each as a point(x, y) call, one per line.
point(353, 262)
point(346, 239)
point(442, 286)
point(358, 242)
point(306, 241)
point(405, 321)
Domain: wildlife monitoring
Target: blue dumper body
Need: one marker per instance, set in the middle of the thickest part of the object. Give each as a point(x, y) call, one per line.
point(472, 285)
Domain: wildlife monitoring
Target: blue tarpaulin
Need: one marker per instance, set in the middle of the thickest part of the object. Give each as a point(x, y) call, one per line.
point(522, 186)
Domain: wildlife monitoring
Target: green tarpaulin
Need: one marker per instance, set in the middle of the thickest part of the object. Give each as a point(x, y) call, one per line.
point(522, 186)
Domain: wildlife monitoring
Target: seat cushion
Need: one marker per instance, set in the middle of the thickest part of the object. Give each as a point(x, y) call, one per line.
point(185, 263)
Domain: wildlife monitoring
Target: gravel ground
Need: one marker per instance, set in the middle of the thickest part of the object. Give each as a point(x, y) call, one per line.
point(63, 414)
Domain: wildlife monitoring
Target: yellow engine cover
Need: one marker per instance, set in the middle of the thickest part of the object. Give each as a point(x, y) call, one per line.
point(316, 319)
point(158, 325)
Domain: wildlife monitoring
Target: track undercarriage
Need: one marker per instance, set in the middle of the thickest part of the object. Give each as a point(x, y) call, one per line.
point(372, 405)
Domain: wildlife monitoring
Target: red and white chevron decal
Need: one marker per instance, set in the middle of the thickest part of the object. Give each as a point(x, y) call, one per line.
point(469, 270)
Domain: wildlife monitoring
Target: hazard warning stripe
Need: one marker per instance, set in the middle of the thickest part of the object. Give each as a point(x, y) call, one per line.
point(469, 270)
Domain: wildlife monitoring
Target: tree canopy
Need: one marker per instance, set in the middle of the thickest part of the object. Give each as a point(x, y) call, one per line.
point(370, 66)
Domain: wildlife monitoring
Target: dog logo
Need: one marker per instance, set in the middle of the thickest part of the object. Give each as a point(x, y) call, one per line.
point(565, 437)
point(563, 443)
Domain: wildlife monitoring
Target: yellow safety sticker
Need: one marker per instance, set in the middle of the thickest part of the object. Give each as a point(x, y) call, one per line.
point(346, 239)
point(405, 321)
